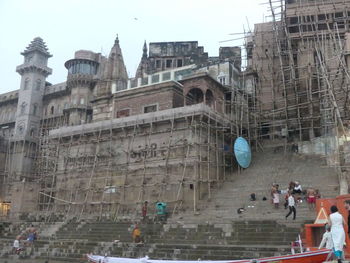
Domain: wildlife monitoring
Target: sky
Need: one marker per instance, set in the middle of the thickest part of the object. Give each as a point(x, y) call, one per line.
point(70, 25)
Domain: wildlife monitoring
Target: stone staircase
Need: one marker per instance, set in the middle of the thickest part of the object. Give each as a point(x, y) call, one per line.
point(215, 232)
point(172, 241)
point(267, 167)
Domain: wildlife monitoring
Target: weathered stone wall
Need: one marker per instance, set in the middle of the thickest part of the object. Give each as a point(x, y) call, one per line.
point(157, 161)
point(167, 55)
point(3, 149)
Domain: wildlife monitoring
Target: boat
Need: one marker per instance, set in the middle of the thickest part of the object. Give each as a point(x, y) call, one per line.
point(317, 256)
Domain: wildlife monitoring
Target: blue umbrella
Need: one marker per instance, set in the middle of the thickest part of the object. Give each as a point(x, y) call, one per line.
point(242, 152)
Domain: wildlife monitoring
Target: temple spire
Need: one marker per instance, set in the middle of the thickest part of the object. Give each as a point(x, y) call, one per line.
point(116, 41)
point(144, 54)
point(142, 69)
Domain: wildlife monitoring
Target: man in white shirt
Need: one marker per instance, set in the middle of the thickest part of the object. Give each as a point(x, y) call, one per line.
point(291, 206)
point(327, 240)
point(15, 247)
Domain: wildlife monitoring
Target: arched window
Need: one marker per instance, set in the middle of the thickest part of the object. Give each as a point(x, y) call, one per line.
point(35, 109)
point(38, 84)
point(194, 96)
point(209, 98)
point(82, 100)
point(26, 84)
point(11, 115)
point(32, 132)
point(23, 107)
point(52, 110)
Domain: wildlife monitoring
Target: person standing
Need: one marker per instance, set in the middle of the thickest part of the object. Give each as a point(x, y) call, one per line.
point(311, 198)
point(336, 221)
point(327, 241)
point(15, 247)
point(291, 206)
point(276, 199)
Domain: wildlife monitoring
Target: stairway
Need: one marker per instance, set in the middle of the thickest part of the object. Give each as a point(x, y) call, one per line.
point(241, 239)
point(267, 167)
point(215, 232)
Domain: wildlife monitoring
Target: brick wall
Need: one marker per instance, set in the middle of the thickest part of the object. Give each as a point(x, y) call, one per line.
point(165, 95)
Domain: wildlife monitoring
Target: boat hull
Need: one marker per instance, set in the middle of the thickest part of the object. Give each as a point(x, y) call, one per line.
point(317, 256)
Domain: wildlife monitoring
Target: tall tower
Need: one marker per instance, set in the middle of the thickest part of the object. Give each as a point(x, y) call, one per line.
point(81, 80)
point(23, 189)
point(34, 72)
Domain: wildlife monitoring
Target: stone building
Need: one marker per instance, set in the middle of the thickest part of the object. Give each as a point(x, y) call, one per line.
point(294, 61)
point(102, 143)
point(298, 70)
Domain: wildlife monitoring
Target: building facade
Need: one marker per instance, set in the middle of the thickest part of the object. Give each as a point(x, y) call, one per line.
point(101, 143)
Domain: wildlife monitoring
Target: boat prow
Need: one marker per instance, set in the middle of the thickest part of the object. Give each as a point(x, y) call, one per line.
point(317, 256)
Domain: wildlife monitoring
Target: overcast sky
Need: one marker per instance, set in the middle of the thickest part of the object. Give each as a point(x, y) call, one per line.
point(70, 25)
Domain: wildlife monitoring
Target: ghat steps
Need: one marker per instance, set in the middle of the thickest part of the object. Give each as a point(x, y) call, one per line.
point(215, 231)
point(267, 167)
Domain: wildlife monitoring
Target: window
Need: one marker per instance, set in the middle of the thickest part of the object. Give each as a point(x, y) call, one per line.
point(11, 115)
point(150, 108)
point(83, 67)
point(82, 100)
point(123, 113)
point(23, 107)
point(179, 63)
point(168, 63)
point(158, 64)
point(338, 15)
point(38, 84)
point(294, 29)
point(52, 110)
point(321, 17)
point(293, 20)
point(222, 80)
point(26, 84)
point(35, 109)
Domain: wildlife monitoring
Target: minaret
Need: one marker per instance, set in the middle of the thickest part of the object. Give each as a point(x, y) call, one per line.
point(142, 69)
point(34, 71)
